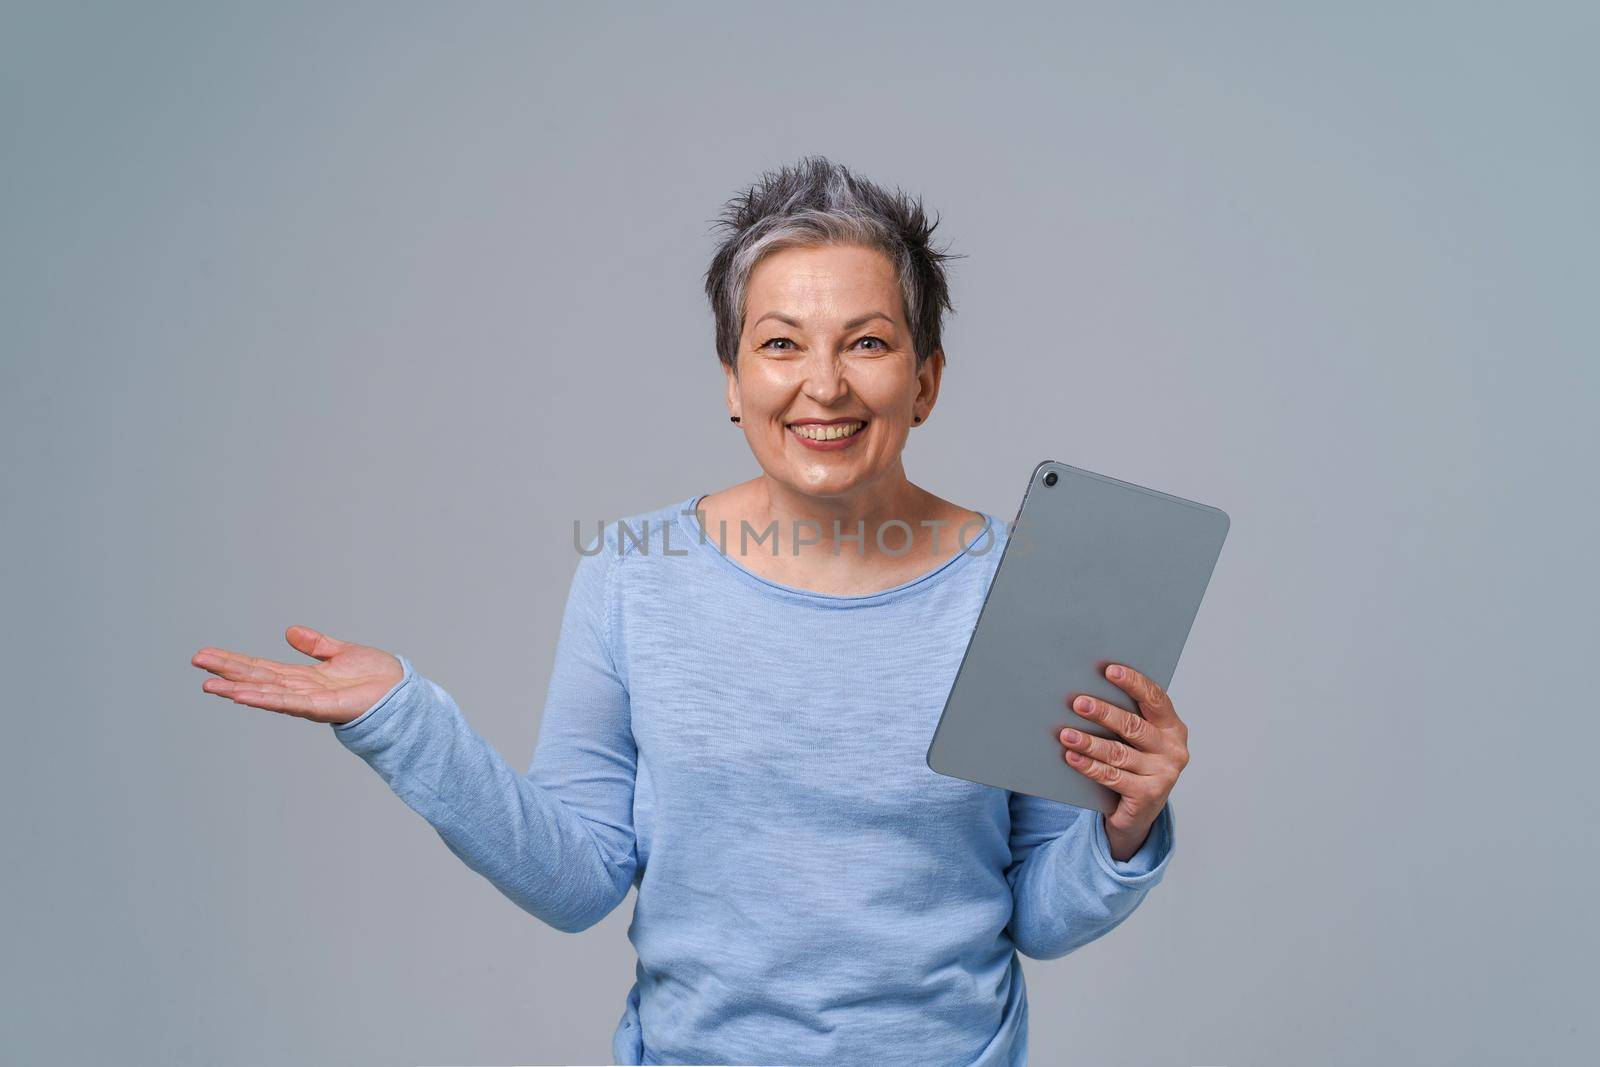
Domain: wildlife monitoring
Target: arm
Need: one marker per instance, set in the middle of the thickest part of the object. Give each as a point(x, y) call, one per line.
point(1066, 889)
point(557, 841)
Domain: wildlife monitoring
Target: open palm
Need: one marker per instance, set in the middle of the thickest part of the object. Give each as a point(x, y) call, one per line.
point(348, 680)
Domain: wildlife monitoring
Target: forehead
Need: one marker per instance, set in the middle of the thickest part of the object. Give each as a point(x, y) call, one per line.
point(838, 279)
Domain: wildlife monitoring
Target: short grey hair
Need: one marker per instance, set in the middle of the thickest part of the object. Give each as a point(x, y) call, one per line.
point(819, 202)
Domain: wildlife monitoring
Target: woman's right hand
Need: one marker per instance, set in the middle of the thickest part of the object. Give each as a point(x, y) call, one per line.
point(348, 680)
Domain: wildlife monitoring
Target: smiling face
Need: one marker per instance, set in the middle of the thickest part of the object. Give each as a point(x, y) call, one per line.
point(827, 383)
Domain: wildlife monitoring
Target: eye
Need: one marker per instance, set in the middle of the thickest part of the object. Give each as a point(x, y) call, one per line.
point(773, 341)
point(882, 344)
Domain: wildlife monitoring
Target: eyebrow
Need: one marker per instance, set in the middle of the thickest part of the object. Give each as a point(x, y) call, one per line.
point(852, 324)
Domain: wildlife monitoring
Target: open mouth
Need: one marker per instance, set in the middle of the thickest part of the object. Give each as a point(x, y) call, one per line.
point(827, 431)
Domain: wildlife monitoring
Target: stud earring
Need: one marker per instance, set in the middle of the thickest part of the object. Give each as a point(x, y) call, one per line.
point(916, 418)
point(733, 418)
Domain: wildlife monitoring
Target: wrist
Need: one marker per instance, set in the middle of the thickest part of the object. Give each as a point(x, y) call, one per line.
point(1124, 843)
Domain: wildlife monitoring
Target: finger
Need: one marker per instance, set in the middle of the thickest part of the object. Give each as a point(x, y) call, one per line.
point(1108, 750)
point(239, 668)
point(1133, 786)
point(1154, 704)
point(1130, 727)
point(313, 704)
point(314, 643)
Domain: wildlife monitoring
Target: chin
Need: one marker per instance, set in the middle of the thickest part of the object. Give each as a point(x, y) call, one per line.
point(825, 483)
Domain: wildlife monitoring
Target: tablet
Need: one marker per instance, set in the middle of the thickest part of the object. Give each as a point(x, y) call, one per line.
point(1096, 571)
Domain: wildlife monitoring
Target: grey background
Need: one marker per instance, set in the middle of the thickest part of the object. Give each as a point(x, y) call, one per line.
point(340, 314)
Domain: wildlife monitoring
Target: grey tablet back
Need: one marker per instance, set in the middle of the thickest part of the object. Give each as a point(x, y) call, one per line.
point(1096, 571)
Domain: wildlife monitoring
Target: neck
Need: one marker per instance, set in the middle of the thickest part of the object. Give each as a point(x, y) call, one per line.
point(844, 525)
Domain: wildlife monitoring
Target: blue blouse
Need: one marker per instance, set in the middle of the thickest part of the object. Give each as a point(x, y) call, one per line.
point(752, 757)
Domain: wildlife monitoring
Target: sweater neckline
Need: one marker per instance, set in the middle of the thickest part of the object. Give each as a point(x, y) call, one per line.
point(987, 541)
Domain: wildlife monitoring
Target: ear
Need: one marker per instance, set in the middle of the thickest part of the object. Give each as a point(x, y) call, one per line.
point(732, 390)
point(928, 383)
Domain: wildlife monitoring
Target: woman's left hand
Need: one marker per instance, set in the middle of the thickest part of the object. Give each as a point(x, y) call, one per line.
point(1142, 767)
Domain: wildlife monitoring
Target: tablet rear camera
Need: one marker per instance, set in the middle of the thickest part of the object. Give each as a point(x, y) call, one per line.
point(1050, 479)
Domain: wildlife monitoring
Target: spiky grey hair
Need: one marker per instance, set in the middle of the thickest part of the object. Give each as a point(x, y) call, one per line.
point(819, 202)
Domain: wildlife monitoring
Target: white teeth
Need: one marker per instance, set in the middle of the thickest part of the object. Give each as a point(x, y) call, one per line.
point(833, 432)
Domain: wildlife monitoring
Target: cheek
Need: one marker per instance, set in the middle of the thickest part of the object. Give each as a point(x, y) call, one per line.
point(888, 391)
point(764, 391)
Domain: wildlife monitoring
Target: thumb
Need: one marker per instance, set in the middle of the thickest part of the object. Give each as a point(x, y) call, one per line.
point(314, 643)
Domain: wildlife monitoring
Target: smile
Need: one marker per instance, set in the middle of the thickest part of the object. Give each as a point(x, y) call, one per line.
point(828, 436)
point(827, 431)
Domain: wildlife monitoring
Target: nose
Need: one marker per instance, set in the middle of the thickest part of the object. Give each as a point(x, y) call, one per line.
point(824, 378)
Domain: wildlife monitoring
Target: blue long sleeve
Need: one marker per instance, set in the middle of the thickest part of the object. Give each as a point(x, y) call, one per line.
point(557, 841)
point(1067, 890)
point(753, 757)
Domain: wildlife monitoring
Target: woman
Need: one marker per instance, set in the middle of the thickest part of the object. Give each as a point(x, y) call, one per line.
point(745, 686)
